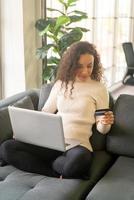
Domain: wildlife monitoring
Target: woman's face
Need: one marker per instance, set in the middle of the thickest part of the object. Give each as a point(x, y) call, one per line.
point(85, 67)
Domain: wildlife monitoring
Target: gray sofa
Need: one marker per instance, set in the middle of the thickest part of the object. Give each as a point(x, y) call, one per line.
point(118, 182)
point(111, 166)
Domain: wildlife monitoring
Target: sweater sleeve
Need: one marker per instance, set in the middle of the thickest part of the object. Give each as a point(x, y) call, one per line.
point(102, 128)
point(102, 102)
point(102, 98)
point(51, 103)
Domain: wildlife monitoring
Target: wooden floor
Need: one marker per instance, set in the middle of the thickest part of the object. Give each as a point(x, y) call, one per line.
point(121, 89)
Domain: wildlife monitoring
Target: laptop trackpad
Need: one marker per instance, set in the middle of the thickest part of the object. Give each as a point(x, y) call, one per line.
point(70, 143)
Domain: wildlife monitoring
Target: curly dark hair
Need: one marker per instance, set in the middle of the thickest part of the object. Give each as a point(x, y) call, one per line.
point(69, 62)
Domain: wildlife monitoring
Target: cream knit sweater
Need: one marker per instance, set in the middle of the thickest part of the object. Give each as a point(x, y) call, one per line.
point(77, 111)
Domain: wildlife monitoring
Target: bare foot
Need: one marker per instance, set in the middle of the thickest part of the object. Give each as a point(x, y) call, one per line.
point(61, 177)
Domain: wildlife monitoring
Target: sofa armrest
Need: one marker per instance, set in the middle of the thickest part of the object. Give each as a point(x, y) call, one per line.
point(33, 93)
point(5, 125)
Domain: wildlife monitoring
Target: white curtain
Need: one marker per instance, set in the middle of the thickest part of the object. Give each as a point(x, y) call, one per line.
point(1, 96)
point(12, 74)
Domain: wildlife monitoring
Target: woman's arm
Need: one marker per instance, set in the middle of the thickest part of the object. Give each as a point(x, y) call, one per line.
point(104, 122)
point(51, 103)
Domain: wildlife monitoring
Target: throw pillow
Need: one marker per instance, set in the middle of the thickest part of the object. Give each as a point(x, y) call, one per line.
point(5, 124)
point(25, 102)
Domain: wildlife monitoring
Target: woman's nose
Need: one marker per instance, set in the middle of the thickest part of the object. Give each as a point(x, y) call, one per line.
point(85, 70)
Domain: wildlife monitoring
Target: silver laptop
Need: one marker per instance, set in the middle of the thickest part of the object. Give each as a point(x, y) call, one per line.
point(39, 128)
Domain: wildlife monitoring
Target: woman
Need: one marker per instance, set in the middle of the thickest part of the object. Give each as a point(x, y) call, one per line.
point(77, 93)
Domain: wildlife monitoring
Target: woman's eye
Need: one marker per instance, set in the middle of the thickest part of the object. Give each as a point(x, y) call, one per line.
point(79, 66)
point(89, 66)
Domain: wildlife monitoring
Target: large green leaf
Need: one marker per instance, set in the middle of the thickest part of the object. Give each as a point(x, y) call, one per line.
point(84, 29)
point(80, 12)
point(69, 38)
point(52, 9)
point(53, 60)
point(76, 18)
point(71, 3)
point(42, 52)
point(49, 72)
point(52, 23)
point(61, 21)
point(41, 24)
point(45, 30)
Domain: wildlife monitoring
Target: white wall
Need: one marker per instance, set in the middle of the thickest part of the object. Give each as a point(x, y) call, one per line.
point(12, 45)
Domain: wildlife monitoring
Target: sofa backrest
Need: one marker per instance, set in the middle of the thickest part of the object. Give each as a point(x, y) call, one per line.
point(120, 140)
point(44, 94)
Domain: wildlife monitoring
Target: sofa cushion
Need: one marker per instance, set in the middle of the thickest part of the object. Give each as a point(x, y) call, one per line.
point(33, 93)
point(5, 124)
point(121, 138)
point(117, 184)
point(16, 184)
point(44, 94)
point(25, 102)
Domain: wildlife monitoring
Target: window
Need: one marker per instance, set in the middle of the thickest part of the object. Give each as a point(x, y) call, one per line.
point(110, 24)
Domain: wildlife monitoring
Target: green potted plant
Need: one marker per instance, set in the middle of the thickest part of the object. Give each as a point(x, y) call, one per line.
point(59, 33)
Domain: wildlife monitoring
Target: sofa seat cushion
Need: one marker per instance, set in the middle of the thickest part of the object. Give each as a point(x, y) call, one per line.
point(117, 184)
point(19, 185)
point(16, 184)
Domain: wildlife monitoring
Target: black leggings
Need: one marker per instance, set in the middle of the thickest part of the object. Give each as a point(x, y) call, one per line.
point(73, 163)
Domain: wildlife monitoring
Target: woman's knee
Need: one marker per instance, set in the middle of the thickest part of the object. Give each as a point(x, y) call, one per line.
point(78, 154)
point(6, 148)
point(77, 163)
point(6, 144)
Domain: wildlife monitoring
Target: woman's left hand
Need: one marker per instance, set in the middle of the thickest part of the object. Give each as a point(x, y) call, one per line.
point(107, 118)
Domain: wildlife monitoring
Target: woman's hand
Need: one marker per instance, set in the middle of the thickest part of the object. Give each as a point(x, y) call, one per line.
point(107, 118)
